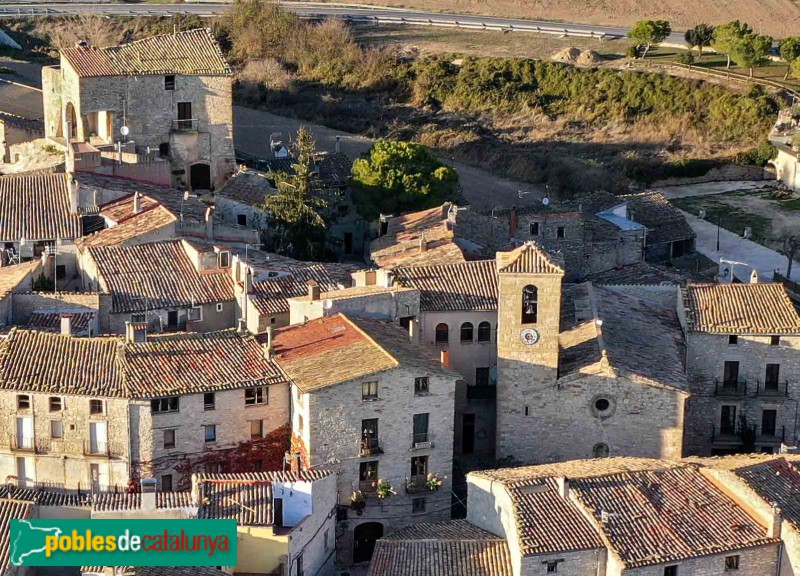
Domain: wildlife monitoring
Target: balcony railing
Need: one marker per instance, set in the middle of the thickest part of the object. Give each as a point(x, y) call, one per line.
point(730, 388)
point(775, 434)
point(25, 444)
point(186, 125)
point(101, 449)
point(370, 446)
point(368, 486)
point(726, 433)
point(481, 392)
point(417, 484)
point(772, 388)
point(421, 441)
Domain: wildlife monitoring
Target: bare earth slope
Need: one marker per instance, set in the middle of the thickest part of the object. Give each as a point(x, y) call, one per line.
point(778, 18)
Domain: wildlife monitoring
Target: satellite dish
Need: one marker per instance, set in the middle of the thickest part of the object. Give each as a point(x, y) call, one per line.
point(124, 131)
point(702, 213)
point(546, 200)
point(327, 304)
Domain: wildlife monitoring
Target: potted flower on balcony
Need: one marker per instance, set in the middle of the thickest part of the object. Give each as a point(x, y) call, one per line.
point(384, 490)
point(433, 482)
point(357, 502)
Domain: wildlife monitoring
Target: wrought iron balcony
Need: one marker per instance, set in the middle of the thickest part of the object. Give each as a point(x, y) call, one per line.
point(730, 432)
point(772, 388)
point(102, 449)
point(368, 486)
point(370, 447)
point(775, 434)
point(421, 441)
point(730, 388)
point(186, 125)
point(26, 444)
point(417, 484)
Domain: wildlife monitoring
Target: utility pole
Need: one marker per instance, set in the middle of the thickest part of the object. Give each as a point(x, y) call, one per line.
point(718, 218)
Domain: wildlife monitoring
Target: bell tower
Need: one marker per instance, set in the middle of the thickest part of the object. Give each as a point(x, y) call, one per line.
point(528, 317)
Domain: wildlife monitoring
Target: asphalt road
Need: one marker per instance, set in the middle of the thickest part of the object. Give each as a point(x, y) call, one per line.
point(311, 10)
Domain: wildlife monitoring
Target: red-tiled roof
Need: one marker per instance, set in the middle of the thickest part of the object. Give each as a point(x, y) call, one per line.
point(658, 516)
point(740, 309)
point(194, 52)
point(271, 296)
point(777, 481)
point(10, 509)
point(36, 207)
point(460, 286)
point(529, 258)
point(44, 362)
point(441, 549)
point(110, 502)
point(171, 364)
point(157, 275)
point(130, 229)
point(51, 321)
point(12, 276)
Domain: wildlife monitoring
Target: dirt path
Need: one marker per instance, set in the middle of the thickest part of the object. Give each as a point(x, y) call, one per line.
point(484, 191)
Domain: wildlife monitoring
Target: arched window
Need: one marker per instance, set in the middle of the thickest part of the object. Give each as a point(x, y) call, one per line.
point(466, 332)
point(442, 333)
point(600, 450)
point(530, 304)
point(484, 332)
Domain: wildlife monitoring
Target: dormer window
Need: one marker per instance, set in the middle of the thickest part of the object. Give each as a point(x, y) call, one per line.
point(530, 304)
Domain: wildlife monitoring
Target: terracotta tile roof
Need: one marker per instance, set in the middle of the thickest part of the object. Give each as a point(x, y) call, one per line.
point(130, 229)
point(43, 362)
point(354, 292)
point(157, 275)
point(51, 321)
point(10, 509)
point(36, 207)
point(603, 329)
point(657, 516)
point(642, 273)
point(172, 364)
point(740, 309)
point(777, 481)
point(248, 187)
point(575, 469)
point(271, 296)
point(246, 497)
point(664, 222)
point(328, 351)
point(11, 277)
point(110, 502)
point(529, 258)
point(194, 52)
point(441, 549)
point(464, 286)
point(46, 497)
point(22, 123)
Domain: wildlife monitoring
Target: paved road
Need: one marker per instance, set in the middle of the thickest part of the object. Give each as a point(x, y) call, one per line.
point(21, 100)
point(734, 247)
point(484, 191)
point(319, 10)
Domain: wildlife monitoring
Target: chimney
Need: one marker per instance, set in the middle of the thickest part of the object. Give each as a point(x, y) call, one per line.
point(445, 357)
point(313, 290)
point(774, 528)
point(74, 189)
point(248, 280)
point(197, 498)
point(337, 143)
point(66, 325)
point(563, 487)
point(137, 203)
point(413, 330)
point(209, 223)
point(149, 488)
point(754, 276)
point(423, 244)
point(512, 222)
point(268, 334)
point(268, 351)
point(135, 332)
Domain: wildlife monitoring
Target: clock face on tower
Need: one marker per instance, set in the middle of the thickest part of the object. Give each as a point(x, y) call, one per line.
point(529, 336)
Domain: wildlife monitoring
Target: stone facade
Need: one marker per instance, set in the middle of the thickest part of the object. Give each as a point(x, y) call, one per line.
point(100, 106)
point(523, 369)
point(715, 407)
point(332, 429)
point(68, 461)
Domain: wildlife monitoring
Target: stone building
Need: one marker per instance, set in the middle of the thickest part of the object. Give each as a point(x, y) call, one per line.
point(172, 92)
point(743, 358)
point(374, 406)
point(172, 285)
point(609, 517)
point(103, 410)
point(16, 130)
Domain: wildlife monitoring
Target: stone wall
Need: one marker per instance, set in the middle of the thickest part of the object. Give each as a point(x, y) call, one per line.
point(213, 318)
point(523, 370)
point(62, 462)
point(335, 432)
point(26, 303)
point(642, 420)
point(11, 136)
point(315, 536)
point(757, 561)
point(787, 167)
point(706, 356)
point(389, 305)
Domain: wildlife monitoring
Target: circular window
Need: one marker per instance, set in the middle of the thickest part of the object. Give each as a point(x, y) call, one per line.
point(601, 404)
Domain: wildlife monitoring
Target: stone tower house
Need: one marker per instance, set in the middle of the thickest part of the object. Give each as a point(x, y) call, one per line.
point(529, 311)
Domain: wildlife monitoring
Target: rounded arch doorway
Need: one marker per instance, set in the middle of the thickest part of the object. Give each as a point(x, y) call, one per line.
point(200, 176)
point(364, 537)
